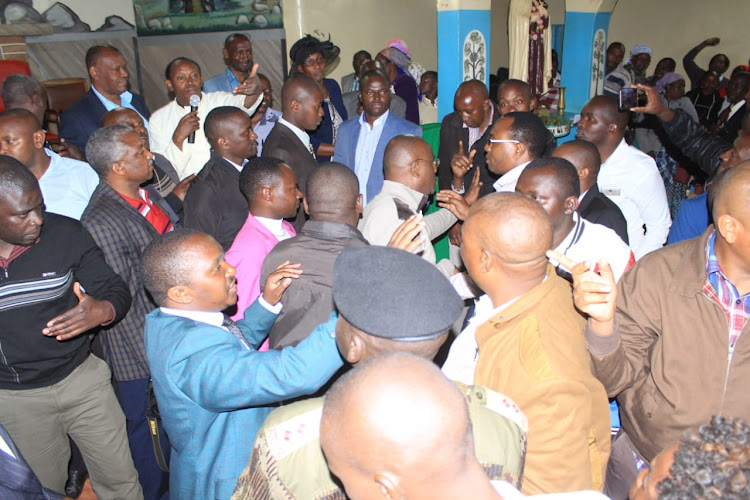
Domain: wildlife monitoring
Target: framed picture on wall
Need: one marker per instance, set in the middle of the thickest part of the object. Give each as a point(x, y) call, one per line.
point(172, 17)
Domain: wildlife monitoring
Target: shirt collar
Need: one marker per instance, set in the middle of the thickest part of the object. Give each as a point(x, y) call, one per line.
point(301, 134)
point(735, 107)
point(378, 121)
point(238, 167)
point(233, 80)
point(712, 263)
point(125, 99)
point(509, 177)
point(214, 318)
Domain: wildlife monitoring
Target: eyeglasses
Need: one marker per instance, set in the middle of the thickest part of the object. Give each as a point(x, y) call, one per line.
point(501, 141)
point(320, 61)
point(435, 162)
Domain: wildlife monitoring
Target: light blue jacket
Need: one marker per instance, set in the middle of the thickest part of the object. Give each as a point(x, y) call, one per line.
point(346, 147)
point(214, 394)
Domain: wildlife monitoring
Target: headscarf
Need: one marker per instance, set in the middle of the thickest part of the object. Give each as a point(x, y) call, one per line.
point(309, 45)
point(669, 78)
point(639, 48)
point(398, 52)
point(400, 45)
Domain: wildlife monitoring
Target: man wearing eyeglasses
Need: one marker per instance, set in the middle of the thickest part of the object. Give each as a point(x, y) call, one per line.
point(515, 140)
point(361, 141)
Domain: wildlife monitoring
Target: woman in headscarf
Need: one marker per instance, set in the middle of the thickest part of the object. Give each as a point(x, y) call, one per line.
point(310, 56)
point(396, 57)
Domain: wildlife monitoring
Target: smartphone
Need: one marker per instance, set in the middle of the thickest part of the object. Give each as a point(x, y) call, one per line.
point(632, 98)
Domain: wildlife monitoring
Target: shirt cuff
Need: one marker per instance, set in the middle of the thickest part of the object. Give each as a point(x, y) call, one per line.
point(274, 309)
point(601, 345)
point(114, 313)
point(459, 191)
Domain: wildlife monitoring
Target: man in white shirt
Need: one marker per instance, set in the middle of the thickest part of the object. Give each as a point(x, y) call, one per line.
point(173, 125)
point(66, 184)
point(553, 182)
point(515, 139)
point(627, 176)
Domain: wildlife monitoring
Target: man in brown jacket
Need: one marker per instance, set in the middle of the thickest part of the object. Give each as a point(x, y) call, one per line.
point(668, 340)
point(531, 347)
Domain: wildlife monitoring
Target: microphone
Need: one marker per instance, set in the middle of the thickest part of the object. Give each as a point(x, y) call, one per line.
point(195, 101)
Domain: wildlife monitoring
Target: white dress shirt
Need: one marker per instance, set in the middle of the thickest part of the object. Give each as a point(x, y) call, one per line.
point(630, 178)
point(507, 183)
point(67, 185)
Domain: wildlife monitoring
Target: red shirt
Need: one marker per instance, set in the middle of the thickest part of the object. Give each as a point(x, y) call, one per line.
point(151, 212)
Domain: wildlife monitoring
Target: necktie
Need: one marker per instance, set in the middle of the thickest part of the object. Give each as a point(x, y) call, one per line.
point(235, 330)
point(312, 151)
point(724, 116)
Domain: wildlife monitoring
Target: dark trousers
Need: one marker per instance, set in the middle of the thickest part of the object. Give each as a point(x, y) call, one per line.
point(133, 399)
point(621, 468)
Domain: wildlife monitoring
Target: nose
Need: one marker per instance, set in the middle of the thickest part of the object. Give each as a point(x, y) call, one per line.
point(230, 269)
point(149, 155)
point(35, 218)
point(253, 135)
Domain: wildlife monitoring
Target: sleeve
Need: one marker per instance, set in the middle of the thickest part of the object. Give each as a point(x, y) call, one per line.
point(98, 278)
point(619, 358)
point(448, 147)
point(161, 130)
point(258, 378)
point(198, 210)
point(695, 143)
point(244, 258)
point(651, 198)
point(73, 127)
point(692, 69)
point(438, 222)
point(616, 81)
point(217, 99)
point(340, 151)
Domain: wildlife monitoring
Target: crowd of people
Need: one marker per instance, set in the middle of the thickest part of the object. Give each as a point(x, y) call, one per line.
point(221, 300)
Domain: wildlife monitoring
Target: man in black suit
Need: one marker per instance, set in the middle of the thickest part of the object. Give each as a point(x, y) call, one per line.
point(593, 205)
point(301, 110)
point(214, 203)
point(108, 73)
point(738, 94)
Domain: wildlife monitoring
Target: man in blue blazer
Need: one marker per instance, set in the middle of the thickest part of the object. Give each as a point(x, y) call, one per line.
point(108, 73)
point(213, 388)
point(361, 141)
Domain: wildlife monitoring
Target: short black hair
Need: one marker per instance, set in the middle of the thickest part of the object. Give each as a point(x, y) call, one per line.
point(432, 74)
point(712, 461)
point(262, 171)
point(721, 56)
point(95, 52)
point(105, 147)
point(212, 125)
point(672, 62)
point(592, 159)
point(179, 60)
point(23, 114)
point(332, 188)
point(163, 266)
point(16, 88)
point(373, 73)
point(529, 129)
point(15, 177)
point(566, 175)
point(235, 36)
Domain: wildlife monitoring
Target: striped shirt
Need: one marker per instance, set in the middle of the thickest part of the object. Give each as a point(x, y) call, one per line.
point(151, 212)
point(719, 289)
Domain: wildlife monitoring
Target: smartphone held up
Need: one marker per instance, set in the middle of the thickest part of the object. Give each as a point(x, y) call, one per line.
point(632, 98)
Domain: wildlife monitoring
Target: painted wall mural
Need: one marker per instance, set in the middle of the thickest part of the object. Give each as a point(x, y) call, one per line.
point(598, 64)
point(61, 17)
point(475, 56)
point(166, 17)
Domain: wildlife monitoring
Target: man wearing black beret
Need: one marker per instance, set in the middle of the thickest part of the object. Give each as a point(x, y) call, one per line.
point(287, 462)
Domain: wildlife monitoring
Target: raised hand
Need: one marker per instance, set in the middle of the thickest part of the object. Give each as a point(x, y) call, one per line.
point(454, 202)
point(407, 235)
point(89, 313)
point(460, 164)
point(472, 194)
point(187, 125)
point(279, 280)
point(655, 105)
point(594, 291)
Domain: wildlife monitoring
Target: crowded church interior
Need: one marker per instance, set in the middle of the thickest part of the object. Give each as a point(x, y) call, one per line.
point(464, 249)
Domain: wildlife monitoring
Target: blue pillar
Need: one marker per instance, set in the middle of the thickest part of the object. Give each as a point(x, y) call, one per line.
point(463, 28)
point(584, 52)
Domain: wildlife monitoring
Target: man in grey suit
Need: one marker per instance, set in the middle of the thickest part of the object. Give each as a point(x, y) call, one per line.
point(353, 104)
point(350, 82)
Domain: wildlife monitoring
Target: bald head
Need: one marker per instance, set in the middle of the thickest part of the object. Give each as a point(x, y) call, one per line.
point(296, 88)
point(585, 158)
point(730, 192)
point(218, 122)
point(21, 118)
point(396, 416)
point(610, 109)
point(23, 138)
point(332, 193)
point(128, 118)
point(474, 88)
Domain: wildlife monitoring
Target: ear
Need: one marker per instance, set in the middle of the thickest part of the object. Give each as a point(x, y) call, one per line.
point(520, 150)
point(389, 485)
point(304, 205)
point(355, 347)
point(181, 294)
point(584, 173)
point(225, 53)
point(93, 72)
point(728, 227)
point(266, 193)
point(222, 142)
point(295, 105)
point(487, 105)
point(38, 139)
point(169, 85)
point(570, 204)
point(360, 207)
point(612, 128)
point(118, 168)
point(532, 103)
point(485, 265)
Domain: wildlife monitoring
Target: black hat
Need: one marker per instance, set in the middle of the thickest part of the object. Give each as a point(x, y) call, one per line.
point(393, 294)
point(305, 47)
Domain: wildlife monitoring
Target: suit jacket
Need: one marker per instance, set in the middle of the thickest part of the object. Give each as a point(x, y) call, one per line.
point(122, 233)
point(85, 116)
point(596, 207)
point(214, 203)
point(214, 394)
point(452, 131)
point(351, 100)
point(348, 138)
point(731, 128)
point(283, 144)
point(347, 83)
point(18, 481)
